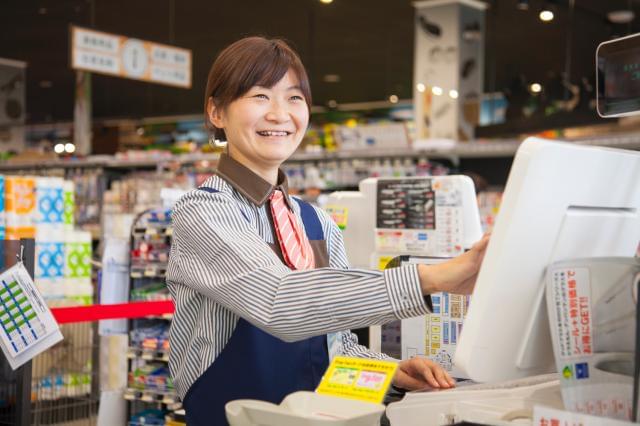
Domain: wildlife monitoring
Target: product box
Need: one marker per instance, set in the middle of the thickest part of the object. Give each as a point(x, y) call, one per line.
point(69, 206)
point(77, 264)
point(49, 201)
point(49, 265)
point(20, 207)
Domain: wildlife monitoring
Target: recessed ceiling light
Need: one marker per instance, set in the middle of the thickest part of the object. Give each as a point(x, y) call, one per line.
point(436, 90)
point(453, 94)
point(421, 87)
point(326, 1)
point(69, 148)
point(621, 16)
point(535, 88)
point(332, 103)
point(59, 148)
point(393, 99)
point(331, 78)
point(546, 15)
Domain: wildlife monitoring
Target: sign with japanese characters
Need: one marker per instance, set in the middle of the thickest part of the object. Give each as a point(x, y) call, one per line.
point(592, 309)
point(120, 56)
point(358, 378)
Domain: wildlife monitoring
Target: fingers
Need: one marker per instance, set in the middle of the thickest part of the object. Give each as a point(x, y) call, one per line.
point(405, 381)
point(444, 380)
point(434, 375)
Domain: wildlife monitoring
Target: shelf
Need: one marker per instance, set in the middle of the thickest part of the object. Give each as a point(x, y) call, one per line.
point(456, 151)
point(168, 398)
point(482, 148)
point(162, 230)
point(147, 354)
point(106, 161)
point(149, 271)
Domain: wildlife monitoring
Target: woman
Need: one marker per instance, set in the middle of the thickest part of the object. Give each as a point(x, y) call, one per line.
point(264, 297)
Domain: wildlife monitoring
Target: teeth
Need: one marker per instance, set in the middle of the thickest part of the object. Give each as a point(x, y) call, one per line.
point(273, 133)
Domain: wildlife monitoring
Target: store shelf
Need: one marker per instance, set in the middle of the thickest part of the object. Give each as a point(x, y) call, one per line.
point(149, 271)
point(147, 354)
point(474, 149)
point(168, 398)
point(106, 161)
point(153, 230)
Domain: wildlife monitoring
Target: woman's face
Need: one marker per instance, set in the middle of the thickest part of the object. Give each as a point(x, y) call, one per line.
point(265, 125)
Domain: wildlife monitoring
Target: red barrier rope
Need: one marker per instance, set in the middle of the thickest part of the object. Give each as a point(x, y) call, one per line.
point(114, 311)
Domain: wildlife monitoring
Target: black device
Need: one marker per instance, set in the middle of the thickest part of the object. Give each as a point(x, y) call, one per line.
point(618, 77)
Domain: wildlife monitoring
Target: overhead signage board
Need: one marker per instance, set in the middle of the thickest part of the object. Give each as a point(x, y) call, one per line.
point(121, 56)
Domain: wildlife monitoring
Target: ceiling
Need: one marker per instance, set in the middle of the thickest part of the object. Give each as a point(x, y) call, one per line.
point(368, 43)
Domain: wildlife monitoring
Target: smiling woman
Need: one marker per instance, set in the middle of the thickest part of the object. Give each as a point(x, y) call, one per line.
point(262, 288)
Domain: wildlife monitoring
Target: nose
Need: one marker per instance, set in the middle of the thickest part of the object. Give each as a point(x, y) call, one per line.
point(278, 112)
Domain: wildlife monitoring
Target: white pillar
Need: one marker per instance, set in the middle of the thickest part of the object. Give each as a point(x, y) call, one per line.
point(448, 67)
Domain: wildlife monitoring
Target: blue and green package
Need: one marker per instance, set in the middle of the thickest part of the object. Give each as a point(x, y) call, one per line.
point(49, 201)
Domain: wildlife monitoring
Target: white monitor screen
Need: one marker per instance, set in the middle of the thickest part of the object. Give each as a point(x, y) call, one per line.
point(562, 201)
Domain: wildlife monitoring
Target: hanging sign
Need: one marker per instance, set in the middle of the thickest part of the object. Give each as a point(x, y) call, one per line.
point(125, 57)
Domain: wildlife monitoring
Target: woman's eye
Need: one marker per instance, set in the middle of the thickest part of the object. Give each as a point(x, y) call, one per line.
point(261, 96)
point(297, 98)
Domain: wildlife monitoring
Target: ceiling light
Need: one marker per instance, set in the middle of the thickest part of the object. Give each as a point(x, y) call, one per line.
point(523, 5)
point(453, 93)
point(393, 99)
point(535, 88)
point(69, 148)
point(421, 87)
point(436, 90)
point(326, 1)
point(332, 103)
point(621, 16)
point(546, 15)
point(331, 78)
point(59, 148)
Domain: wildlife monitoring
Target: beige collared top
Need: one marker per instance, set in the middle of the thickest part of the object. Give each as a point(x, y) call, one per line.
point(225, 264)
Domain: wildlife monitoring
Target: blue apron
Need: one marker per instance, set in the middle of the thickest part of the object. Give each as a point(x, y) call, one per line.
point(257, 365)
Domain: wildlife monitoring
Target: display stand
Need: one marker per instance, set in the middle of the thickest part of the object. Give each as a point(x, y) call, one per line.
point(149, 384)
point(11, 251)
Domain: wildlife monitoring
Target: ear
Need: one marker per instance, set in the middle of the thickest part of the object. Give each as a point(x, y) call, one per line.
point(215, 114)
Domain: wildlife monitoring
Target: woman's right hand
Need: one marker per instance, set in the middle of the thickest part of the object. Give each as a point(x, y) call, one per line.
point(458, 275)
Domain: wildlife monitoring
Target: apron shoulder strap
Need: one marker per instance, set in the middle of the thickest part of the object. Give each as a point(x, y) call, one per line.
point(311, 221)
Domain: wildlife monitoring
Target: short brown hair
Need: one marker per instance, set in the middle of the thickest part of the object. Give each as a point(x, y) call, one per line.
point(251, 61)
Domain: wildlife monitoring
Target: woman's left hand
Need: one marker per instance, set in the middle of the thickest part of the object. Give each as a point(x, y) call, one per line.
point(419, 373)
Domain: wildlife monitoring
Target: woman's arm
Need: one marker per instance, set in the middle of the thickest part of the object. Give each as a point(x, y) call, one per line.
point(219, 254)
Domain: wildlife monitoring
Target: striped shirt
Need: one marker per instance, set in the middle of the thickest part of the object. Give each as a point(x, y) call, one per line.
point(223, 266)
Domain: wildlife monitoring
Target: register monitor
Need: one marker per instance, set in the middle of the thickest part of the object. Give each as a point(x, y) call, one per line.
point(561, 201)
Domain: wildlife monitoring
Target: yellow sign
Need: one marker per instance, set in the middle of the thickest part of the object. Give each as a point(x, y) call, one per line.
point(357, 378)
point(121, 56)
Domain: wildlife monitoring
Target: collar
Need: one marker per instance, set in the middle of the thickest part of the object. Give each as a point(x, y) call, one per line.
point(249, 184)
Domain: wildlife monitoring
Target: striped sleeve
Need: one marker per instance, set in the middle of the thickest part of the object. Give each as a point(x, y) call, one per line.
point(229, 262)
point(338, 258)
